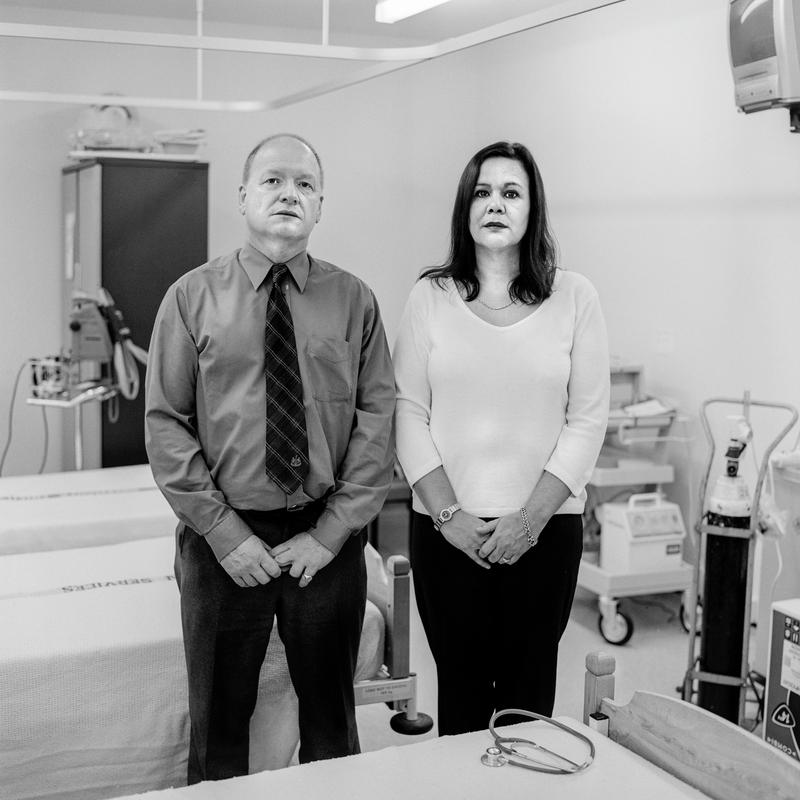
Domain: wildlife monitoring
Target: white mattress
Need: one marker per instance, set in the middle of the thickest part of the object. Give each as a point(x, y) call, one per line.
point(81, 509)
point(93, 701)
point(449, 767)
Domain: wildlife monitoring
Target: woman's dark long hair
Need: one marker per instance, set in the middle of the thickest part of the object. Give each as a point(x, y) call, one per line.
point(537, 249)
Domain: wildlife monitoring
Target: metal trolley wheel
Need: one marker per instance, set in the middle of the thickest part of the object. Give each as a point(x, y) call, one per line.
point(421, 723)
point(616, 628)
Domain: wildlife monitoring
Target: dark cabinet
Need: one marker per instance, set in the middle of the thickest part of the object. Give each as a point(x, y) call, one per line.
point(132, 227)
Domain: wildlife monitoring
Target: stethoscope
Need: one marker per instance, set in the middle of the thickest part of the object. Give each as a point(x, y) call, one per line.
point(506, 748)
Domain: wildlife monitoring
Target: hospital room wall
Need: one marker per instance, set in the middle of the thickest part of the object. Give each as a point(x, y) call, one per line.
point(681, 211)
point(390, 158)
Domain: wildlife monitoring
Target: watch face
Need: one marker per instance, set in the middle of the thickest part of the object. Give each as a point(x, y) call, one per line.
point(446, 515)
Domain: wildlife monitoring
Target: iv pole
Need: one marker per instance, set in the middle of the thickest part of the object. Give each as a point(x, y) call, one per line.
point(99, 393)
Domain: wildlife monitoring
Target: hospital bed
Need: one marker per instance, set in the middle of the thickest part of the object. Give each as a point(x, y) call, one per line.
point(62, 510)
point(94, 700)
point(721, 759)
point(657, 748)
point(449, 768)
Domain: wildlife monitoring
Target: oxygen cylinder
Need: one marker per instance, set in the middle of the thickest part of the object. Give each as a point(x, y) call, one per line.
point(725, 583)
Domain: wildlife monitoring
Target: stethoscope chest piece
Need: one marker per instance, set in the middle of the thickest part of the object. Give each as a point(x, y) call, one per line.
point(493, 757)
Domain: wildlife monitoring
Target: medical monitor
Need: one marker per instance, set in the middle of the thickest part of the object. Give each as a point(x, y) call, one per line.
point(764, 38)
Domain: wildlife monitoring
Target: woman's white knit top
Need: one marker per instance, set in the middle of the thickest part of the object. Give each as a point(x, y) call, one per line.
point(495, 406)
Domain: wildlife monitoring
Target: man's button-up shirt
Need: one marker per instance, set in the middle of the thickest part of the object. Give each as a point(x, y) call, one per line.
point(206, 401)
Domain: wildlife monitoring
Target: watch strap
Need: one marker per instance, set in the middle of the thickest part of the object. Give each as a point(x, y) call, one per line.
point(445, 515)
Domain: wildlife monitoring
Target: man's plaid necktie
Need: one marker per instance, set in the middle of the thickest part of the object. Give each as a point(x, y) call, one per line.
point(287, 441)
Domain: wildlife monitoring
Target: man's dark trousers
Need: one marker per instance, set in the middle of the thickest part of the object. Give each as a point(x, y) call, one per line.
point(226, 630)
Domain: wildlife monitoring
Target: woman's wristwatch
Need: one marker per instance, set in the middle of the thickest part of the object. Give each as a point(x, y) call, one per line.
point(445, 515)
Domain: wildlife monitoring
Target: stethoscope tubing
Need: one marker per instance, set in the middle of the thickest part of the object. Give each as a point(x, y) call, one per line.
point(506, 745)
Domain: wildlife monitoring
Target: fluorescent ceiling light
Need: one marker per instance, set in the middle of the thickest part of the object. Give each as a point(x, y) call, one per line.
point(394, 10)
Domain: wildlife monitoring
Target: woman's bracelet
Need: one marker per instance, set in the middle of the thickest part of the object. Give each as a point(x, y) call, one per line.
point(526, 527)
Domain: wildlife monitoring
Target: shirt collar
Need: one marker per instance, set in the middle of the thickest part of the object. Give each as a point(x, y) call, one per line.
point(257, 266)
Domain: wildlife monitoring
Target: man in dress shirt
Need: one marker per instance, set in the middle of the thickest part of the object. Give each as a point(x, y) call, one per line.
point(247, 551)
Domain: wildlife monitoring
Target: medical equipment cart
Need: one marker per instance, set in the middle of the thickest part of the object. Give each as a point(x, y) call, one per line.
point(652, 524)
point(646, 554)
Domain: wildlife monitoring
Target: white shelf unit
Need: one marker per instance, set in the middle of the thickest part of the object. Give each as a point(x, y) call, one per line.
point(616, 627)
point(632, 475)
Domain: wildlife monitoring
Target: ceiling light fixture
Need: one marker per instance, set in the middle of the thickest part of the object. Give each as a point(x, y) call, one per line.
point(395, 10)
point(389, 59)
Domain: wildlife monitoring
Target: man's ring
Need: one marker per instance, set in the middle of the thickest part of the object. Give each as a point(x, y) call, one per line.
point(307, 576)
point(505, 560)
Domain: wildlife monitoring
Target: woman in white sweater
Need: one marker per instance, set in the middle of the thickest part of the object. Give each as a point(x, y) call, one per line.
point(503, 379)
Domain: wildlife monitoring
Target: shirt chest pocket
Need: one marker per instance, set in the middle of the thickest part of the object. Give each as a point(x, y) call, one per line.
point(330, 367)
